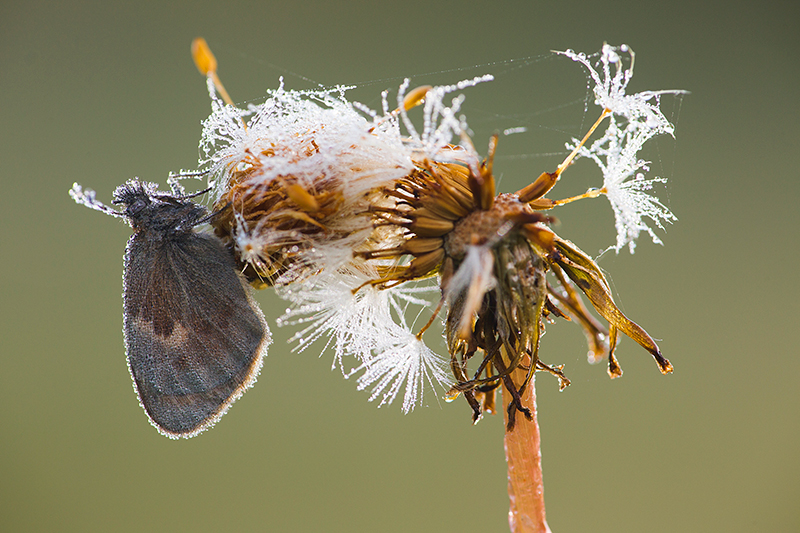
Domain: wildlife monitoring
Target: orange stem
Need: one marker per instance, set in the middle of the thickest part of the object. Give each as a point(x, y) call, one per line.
point(524, 457)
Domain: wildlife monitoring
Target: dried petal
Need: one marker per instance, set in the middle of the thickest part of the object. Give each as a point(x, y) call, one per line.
point(587, 276)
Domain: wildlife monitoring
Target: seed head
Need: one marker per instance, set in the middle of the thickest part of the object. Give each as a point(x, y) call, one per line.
point(358, 216)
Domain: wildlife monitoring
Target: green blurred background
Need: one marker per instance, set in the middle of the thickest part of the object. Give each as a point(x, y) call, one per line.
point(98, 92)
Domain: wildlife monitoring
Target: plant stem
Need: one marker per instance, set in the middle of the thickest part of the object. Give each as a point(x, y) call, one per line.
point(524, 458)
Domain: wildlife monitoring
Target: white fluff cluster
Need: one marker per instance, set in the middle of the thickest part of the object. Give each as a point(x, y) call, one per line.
point(441, 122)
point(368, 325)
point(635, 119)
point(305, 134)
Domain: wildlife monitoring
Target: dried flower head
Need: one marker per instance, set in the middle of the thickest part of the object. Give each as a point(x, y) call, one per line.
point(350, 211)
point(297, 171)
point(493, 254)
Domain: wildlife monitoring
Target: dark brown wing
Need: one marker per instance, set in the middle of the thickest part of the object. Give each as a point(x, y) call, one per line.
point(195, 338)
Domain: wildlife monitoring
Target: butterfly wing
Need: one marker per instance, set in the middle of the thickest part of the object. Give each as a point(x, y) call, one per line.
point(195, 338)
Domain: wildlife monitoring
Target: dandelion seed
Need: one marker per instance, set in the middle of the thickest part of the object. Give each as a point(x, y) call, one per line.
point(635, 119)
point(625, 184)
point(402, 361)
